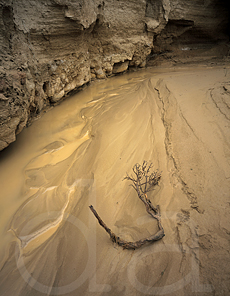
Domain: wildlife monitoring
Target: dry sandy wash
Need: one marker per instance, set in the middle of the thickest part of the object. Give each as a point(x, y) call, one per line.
point(78, 153)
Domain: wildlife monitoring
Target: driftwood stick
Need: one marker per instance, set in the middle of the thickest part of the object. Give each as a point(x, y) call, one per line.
point(143, 182)
point(123, 243)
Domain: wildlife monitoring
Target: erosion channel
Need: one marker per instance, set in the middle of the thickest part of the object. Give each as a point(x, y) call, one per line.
point(78, 154)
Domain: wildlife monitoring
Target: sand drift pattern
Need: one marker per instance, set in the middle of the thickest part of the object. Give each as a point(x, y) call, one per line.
point(78, 153)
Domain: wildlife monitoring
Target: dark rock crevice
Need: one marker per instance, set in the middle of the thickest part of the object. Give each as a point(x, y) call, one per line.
point(50, 48)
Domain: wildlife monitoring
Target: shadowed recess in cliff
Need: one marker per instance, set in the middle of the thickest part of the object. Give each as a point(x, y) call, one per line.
point(50, 48)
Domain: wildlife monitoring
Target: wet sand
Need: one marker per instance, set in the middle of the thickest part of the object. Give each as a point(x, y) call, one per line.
point(78, 153)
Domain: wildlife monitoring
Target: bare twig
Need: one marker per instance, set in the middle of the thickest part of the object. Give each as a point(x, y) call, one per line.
point(142, 187)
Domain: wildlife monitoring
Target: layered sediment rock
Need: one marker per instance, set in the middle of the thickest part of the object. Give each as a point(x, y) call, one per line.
point(49, 48)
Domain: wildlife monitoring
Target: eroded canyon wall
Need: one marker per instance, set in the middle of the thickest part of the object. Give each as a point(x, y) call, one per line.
point(50, 47)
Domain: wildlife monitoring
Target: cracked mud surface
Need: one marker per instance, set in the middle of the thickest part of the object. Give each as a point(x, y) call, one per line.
point(78, 154)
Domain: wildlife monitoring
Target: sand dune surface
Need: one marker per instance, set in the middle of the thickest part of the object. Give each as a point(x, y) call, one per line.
point(78, 154)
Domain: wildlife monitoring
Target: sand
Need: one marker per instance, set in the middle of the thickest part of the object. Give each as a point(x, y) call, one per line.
point(78, 153)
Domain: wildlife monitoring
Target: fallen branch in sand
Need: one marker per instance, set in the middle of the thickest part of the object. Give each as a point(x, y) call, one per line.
point(143, 182)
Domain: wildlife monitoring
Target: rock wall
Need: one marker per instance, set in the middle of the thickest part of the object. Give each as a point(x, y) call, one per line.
point(50, 47)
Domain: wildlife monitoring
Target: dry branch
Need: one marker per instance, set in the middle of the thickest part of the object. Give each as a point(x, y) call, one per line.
point(143, 182)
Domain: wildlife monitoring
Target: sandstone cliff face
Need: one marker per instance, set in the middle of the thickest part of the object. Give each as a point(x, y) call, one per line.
point(51, 47)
